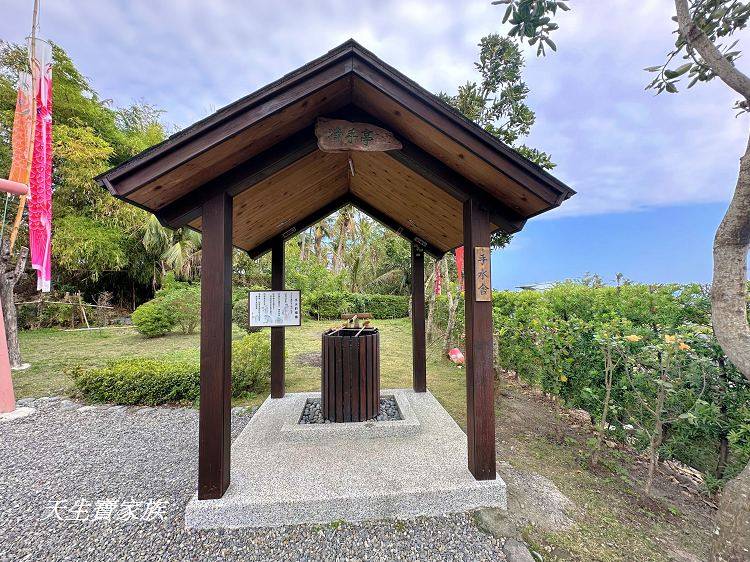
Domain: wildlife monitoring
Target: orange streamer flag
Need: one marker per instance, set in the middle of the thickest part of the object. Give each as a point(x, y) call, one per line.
point(40, 182)
point(22, 125)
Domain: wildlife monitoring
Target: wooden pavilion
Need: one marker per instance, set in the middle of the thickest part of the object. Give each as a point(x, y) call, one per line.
point(252, 176)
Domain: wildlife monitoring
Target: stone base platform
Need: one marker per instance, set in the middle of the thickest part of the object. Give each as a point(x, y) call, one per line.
point(284, 473)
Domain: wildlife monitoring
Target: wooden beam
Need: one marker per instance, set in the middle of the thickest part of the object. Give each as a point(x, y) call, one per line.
point(398, 228)
point(441, 176)
point(277, 332)
point(480, 379)
point(433, 170)
point(238, 179)
point(300, 225)
point(419, 351)
point(458, 128)
point(214, 426)
point(334, 206)
point(228, 122)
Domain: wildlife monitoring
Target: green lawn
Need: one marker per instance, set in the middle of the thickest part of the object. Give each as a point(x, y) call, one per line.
point(51, 352)
point(613, 522)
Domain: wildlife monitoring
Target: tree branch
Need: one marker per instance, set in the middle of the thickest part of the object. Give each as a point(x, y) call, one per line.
point(23, 253)
point(696, 39)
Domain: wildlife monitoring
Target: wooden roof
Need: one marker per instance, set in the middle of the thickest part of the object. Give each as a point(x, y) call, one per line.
point(263, 151)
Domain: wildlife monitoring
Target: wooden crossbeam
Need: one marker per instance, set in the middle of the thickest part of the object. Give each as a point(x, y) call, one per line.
point(441, 176)
point(433, 170)
point(334, 206)
point(243, 177)
point(311, 219)
point(397, 227)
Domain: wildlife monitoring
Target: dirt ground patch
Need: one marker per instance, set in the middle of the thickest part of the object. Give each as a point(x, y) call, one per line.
point(311, 359)
point(567, 511)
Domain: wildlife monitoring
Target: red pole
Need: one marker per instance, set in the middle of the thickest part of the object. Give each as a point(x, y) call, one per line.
point(7, 396)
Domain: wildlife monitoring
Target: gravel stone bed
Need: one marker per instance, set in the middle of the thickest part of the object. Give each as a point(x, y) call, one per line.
point(313, 412)
point(65, 452)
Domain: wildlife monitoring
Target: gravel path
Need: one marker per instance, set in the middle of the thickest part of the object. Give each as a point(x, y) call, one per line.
point(94, 454)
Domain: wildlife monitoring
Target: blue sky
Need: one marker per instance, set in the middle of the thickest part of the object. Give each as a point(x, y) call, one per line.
point(658, 245)
point(652, 173)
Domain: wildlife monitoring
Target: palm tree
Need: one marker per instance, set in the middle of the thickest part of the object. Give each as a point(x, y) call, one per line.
point(173, 250)
point(343, 229)
point(362, 256)
point(321, 231)
point(370, 267)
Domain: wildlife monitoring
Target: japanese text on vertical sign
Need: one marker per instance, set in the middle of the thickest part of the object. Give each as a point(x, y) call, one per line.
point(482, 281)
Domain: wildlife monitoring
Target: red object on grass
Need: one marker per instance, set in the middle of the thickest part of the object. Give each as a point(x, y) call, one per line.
point(456, 356)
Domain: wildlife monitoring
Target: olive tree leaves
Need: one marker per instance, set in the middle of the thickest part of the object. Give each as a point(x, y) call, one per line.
point(531, 20)
point(718, 21)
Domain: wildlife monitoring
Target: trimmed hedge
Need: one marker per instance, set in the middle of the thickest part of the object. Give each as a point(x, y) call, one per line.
point(140, 381)
point(177, 304)
point(330, 306)
point(251, 364)
point(553, 339)
point(154, 318)
point(184, 304)
point(135, 381)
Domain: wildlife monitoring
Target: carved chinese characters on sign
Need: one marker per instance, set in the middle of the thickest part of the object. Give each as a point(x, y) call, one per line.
point(337, 135)
point(482, 282)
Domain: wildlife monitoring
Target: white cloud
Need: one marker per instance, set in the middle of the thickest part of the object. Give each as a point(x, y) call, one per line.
point(619, 146)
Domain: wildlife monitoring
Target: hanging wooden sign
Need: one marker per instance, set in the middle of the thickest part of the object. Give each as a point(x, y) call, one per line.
point(482, 281)
point(337, 135)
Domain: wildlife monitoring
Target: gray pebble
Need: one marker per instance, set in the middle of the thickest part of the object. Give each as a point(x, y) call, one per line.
point(516, 551)
point(54, 456)
point(68, 405)
point(85, 409)
point(313, 411)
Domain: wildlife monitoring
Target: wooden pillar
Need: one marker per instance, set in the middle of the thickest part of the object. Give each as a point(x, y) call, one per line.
point(480, 389)
point(214, 427)
point(419, 352)
point(277, 334)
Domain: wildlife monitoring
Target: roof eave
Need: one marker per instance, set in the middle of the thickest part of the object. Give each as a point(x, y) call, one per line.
point(348, 49)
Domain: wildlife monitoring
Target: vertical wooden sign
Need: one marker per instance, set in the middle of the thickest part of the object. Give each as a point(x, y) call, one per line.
point(482, 282)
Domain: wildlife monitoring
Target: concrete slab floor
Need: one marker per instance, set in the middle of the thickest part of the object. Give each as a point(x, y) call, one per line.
point(283, 473)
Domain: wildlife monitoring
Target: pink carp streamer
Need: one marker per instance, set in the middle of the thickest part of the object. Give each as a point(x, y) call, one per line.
point(438, 280)
point(40, 184)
